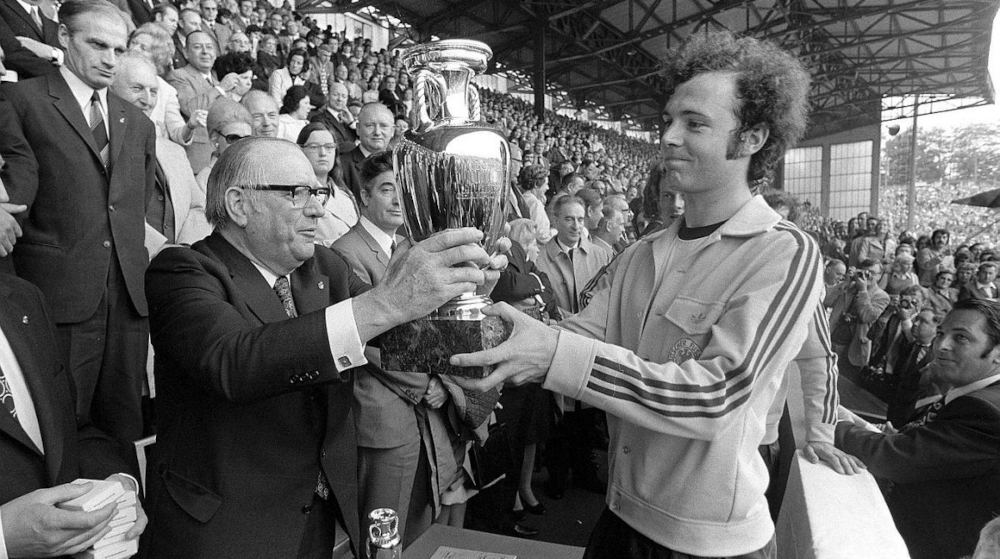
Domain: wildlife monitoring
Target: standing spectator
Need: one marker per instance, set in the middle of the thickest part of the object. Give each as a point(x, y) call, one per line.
point(931, 259)
point(983, 287)
point(610, 230)
point(534, 182)
point(944, 465)
point(856, 303)
point(900, 274)
point(83, 232)
point(834, 272)
point(867, 246)
point(941, 296)
point(36, 51)
point(196, 91)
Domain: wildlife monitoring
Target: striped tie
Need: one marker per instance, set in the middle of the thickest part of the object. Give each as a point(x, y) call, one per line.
point(97, 128)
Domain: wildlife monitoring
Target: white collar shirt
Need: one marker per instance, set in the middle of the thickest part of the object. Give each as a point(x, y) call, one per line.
point(82, 94)
point(383, 239)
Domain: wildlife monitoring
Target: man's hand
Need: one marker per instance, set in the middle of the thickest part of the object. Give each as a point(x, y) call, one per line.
point(34, 526)
point(436, 394)
point(498, 263)
point(199, 118)
point(39, 49)
point(9, 228)
point(230, 82)
point(140, 515)
point(525, 357)
point(841, 462)
point(421, 279)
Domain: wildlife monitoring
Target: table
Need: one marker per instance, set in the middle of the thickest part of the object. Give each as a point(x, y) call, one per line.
point(439, 535)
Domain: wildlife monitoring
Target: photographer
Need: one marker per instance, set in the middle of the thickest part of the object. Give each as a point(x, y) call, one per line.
point(857, 302)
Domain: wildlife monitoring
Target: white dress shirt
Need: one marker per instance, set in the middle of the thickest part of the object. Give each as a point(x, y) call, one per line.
point(82, 93)
point(383, 239)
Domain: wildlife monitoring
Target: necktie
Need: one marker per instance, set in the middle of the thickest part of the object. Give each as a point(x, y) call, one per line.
point(926, 415)
point(6, 396)
point(284, 291)
point(36, 17)
point(98, 130)
point(392, 247)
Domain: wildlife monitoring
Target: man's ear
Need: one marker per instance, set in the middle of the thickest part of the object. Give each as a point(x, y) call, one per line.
point(753, 140)
point(63, 36)
point(238, 206)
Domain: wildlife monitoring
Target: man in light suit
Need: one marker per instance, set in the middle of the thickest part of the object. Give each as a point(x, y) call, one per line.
point(176, 212)
point(42, 445)
point(375, 128)
point(389, 448)
point(256, 329)
point(36, 51)
point(83, 231)
point(197, 88)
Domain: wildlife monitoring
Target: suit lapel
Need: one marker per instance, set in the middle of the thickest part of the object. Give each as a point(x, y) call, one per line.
point(373, 245)
point(66, 104)
point(116, 124)
point(13, 6)
point(19, 335)
point(310, 288)
point(259, 297)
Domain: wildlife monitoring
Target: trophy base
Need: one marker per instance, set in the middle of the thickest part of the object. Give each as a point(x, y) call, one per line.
point(426, 344)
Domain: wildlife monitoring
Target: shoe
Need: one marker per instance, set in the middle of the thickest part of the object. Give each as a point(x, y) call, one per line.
point(521, 531)
point(518, 515)
point(538, 509)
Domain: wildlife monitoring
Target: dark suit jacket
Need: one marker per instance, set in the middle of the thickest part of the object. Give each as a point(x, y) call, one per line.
point(17, 23)
point(19, 165)
point(945, 473)
point(180, 56)
point(902, 403)
point(350, 166)
point(79, 216)
point(141, 12)
point(383, 400)
point(72, 450)
point(249, 402)
point(344, 135)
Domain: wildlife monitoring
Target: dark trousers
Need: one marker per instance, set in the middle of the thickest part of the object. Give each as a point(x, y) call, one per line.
point(320, 534)
point(612, 537)
point(107, 356)
point(570, 448)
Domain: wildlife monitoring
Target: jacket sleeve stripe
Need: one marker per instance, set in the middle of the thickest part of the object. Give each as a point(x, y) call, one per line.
point(831, 401)
point(618, 380)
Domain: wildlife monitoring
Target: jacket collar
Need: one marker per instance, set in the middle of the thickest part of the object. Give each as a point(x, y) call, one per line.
point(752, 219)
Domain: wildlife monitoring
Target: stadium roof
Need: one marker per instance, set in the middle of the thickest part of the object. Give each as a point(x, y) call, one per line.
point(606, 52)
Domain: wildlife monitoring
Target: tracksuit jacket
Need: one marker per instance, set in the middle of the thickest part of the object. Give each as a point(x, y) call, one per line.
point(689, 363)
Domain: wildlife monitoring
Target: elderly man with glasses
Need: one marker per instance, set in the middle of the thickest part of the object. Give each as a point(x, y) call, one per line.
point(256, 331)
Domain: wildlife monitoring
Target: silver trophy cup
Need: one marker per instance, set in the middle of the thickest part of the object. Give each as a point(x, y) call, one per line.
point(452, 171)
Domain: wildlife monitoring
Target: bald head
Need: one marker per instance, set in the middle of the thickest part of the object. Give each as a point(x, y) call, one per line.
point(375, 127)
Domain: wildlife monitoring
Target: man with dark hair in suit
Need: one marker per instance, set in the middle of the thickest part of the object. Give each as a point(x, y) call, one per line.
point(944, 465)
point(36, 50)
point(256, 329)
point(83, 231)
point(42, 445)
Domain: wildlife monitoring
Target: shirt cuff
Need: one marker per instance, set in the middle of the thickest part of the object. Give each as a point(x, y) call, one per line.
point(3, 541)
point(60, 56)
point(342, 333)
point(571, 364)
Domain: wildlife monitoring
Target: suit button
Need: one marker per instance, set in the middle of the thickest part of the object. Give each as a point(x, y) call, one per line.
point(322, 454)
point(159, 197)
point(107, 244)
point(626, 449)
point(307, 509)
point(111, 207)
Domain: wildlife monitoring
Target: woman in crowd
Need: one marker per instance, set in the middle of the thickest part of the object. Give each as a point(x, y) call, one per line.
point(318, 144)
point(534, 181)
point(227, 122)
point(235, 71)
point(294, 113)
point(296, 72)
point(901, 275)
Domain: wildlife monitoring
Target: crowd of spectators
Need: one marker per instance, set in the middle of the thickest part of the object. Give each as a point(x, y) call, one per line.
point(195, 79)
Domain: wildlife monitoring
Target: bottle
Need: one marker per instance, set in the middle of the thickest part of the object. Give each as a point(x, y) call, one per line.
point(383, 535)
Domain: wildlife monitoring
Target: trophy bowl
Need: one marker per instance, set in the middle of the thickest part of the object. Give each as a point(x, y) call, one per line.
point(452, 170)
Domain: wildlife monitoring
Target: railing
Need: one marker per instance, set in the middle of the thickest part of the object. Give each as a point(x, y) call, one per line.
point(825, 515)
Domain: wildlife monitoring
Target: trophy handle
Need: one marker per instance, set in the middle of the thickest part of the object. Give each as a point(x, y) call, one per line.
point(427, 84)
point(474, 110)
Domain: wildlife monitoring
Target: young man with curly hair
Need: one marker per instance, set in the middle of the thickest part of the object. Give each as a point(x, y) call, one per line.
point(687, 346)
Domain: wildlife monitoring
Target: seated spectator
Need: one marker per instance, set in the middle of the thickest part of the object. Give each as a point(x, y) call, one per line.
point(268, 61)
point(989, 541)
point(931, 259)
point(294, 112)
point(341, 214)
point(227, 123)
point(264, 112)
point(610, 230)
point(240, 42)
point(944, 465)
point(941, 296)
point(983, 287)
point(236, 69)
point(295, 72)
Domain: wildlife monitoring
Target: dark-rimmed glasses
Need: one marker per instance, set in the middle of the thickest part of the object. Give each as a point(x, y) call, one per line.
point(233, 138)
point(300, 193)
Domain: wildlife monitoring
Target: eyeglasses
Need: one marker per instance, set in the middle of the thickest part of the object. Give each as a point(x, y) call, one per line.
point(233, 138)
point(317, 147)
point(300, 194)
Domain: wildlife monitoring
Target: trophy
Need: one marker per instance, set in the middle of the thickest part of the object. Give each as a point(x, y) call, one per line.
point(451, 171)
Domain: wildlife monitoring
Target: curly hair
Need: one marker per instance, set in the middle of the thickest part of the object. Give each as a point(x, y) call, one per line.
point(651, 192)
point(772, 85)
point(232, 63)
point(294, 96)
point(532, 176)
